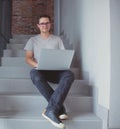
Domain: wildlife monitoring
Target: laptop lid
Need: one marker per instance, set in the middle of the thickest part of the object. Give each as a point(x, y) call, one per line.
point(55, 59)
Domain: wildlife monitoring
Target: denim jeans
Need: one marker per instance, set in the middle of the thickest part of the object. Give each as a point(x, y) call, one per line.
point(55, 98)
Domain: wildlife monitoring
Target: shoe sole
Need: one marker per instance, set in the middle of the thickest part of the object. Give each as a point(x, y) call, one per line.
point(52, 122)
point(63, 117)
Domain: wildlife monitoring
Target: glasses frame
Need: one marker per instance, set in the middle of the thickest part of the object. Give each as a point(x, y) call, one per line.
point(44, 23)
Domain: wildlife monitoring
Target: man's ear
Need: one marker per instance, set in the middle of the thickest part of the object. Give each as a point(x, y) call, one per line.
point(37, 28)
point(38, 25)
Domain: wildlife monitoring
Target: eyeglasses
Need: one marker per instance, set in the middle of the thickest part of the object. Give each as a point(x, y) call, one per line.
point(42, 24)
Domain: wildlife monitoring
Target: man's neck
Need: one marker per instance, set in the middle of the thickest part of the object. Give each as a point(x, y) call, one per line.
point(45, 35)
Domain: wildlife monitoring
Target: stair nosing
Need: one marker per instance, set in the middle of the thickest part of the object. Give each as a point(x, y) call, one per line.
point(82, 117)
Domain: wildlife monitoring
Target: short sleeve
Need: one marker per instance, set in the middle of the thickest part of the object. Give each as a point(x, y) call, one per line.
point(61, 46)
point(29, 45)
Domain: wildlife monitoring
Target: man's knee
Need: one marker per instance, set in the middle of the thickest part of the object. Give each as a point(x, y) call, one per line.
point(69, 74)
point(36, 76)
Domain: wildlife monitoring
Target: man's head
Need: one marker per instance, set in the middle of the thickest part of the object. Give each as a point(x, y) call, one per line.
point(45, 16)
point(44, 23)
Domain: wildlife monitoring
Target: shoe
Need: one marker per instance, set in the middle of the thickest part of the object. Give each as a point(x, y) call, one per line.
point(51, 117)
point(63, 114)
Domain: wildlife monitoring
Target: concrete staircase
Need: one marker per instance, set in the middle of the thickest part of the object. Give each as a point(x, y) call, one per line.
point(21, 104)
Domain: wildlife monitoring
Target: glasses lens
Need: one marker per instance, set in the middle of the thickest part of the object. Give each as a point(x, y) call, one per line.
point(47, 23)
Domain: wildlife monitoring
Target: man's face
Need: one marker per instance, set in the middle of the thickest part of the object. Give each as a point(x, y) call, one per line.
point(44, 25)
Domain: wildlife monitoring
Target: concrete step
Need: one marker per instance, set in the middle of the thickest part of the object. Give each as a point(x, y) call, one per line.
point(22, 36)
point(15, 46)
point(23, 72)
point(16, 58)
point(20, 44)
point(18, 120)
point(25, 86)
point(18, 41)
point(13, 61)
point(13, 53)
point(36, 103)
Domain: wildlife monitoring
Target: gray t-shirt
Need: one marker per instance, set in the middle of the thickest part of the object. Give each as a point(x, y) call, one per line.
point(37, 43)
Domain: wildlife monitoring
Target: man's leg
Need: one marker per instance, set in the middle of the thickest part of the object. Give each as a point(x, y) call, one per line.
point(65, 79)
point(39, 80)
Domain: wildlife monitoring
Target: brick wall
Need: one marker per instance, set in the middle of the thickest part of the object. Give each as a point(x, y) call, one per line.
point(26, 12)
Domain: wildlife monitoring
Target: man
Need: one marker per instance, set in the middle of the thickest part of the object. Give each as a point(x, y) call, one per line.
point(55, 111)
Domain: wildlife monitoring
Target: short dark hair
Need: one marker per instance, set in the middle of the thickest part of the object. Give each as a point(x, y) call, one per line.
point(44, 16)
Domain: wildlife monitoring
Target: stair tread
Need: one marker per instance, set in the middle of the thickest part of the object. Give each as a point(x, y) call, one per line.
point(12, 120)
point(20, 67)
point(25, 86)
point(13, 53)
point(26, 102)
point(16, 61)
point(12, 58)
point(38, 95)
point(84, 82)
point(22, 36)
point(23, 72)
point(87, 116)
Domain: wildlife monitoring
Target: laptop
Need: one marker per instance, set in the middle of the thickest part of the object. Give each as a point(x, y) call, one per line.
point(55, 59)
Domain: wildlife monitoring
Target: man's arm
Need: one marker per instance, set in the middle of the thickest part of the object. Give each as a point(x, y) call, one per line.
point(29, 58)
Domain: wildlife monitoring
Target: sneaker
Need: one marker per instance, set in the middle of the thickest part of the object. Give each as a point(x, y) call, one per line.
point(51, 117)
point(63, 114)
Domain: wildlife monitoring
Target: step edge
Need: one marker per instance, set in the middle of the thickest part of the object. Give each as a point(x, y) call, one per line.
point(81, 117)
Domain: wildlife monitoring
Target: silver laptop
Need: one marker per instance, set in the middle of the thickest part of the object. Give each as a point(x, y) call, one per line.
point(55, 59)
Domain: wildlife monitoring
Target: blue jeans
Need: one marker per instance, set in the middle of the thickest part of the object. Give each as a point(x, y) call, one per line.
point(55, 98)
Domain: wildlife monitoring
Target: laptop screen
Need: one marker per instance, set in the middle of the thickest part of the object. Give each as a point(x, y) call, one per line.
point(55, 59)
